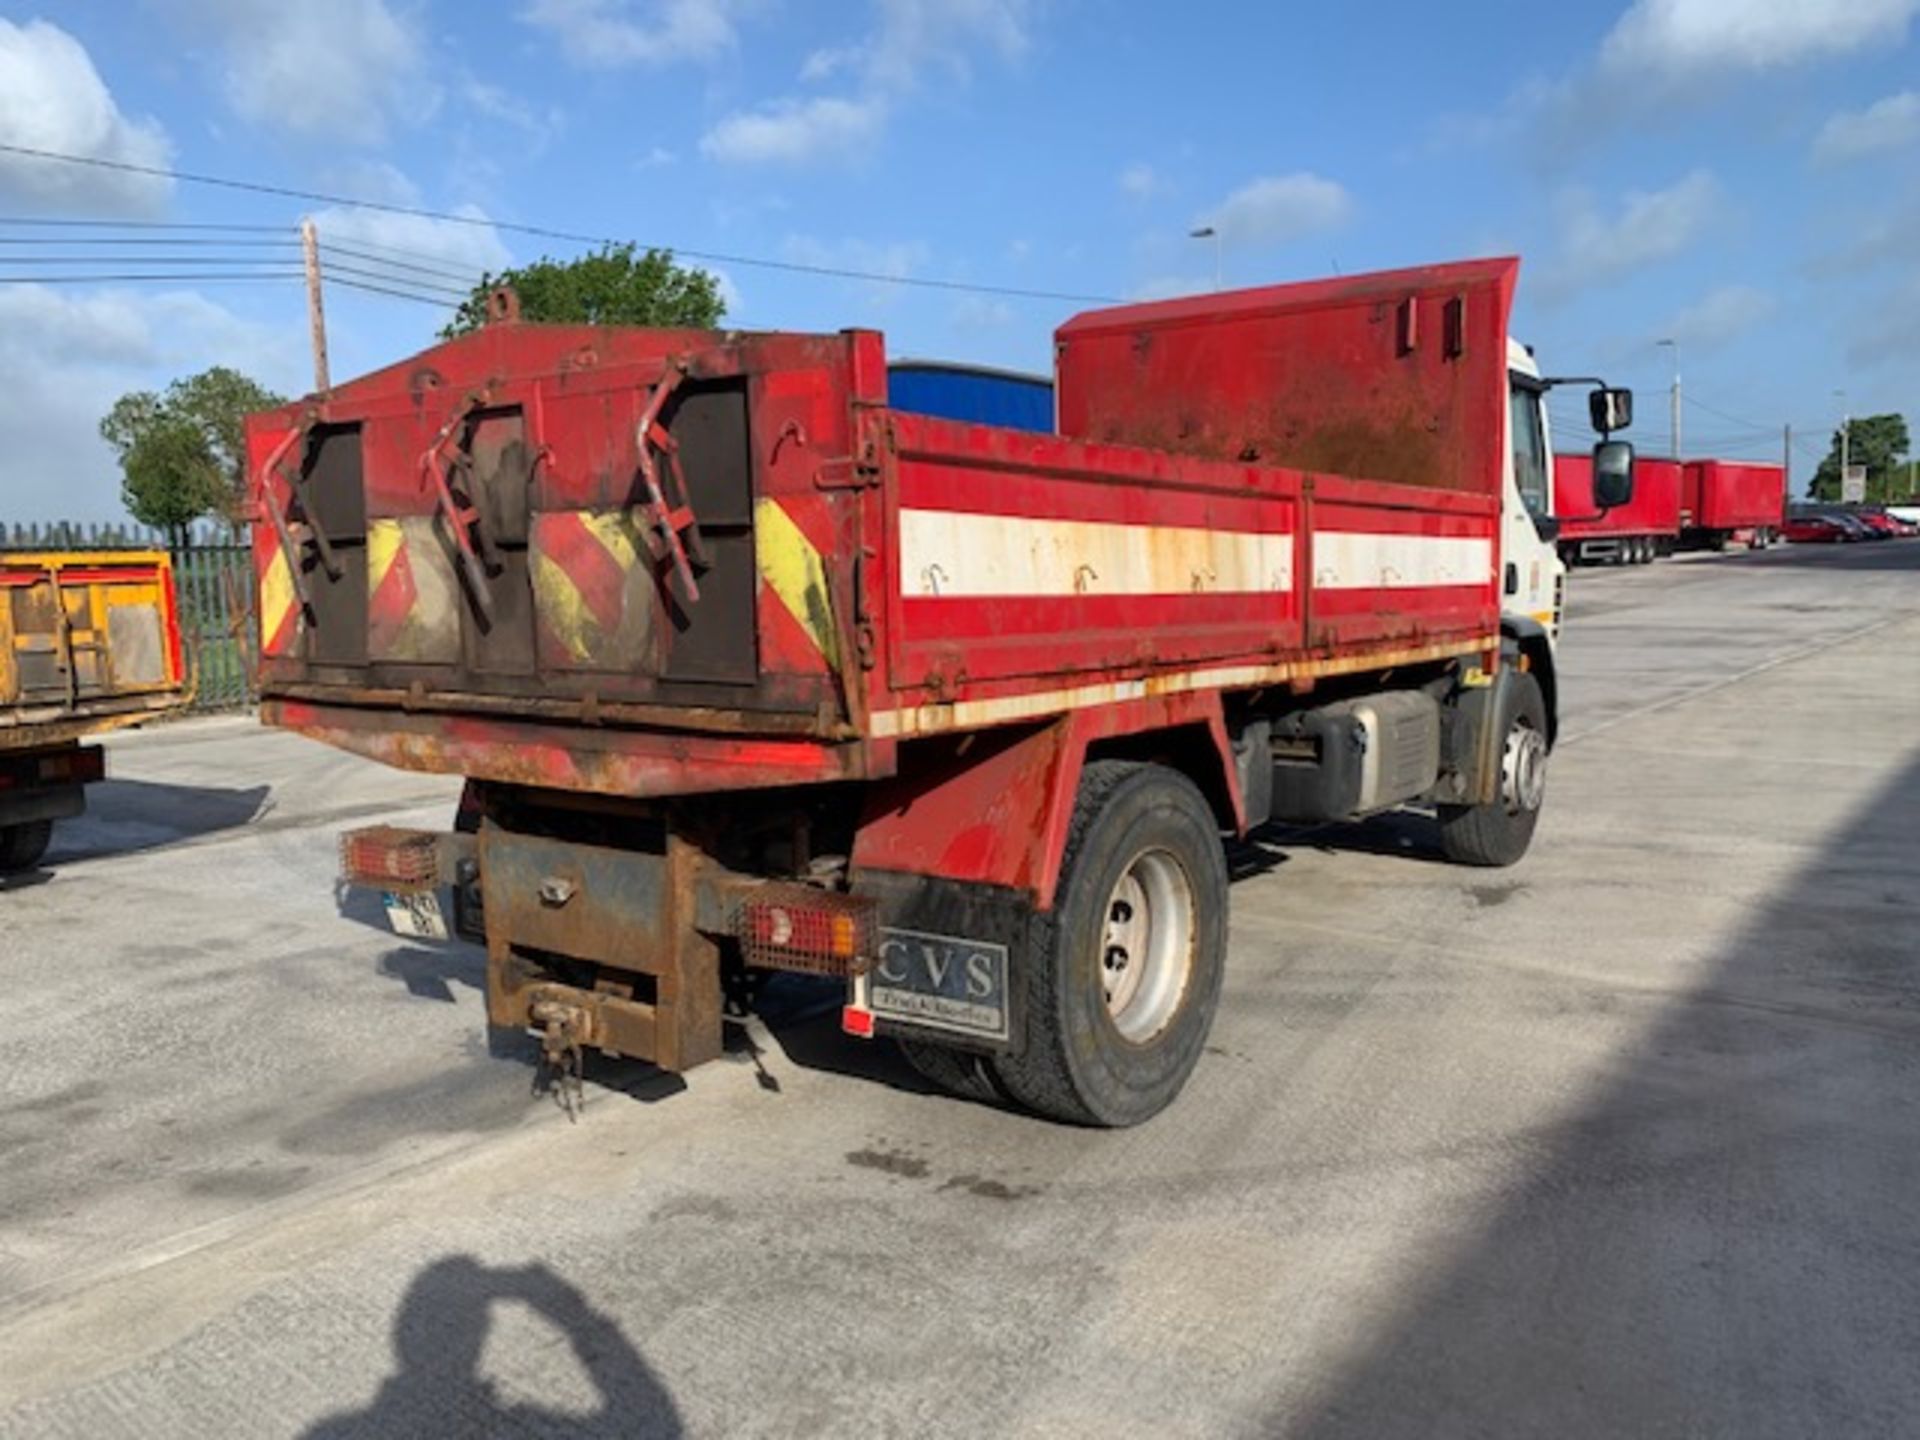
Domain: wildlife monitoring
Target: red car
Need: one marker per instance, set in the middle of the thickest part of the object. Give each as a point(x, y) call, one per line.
point(1815, 530)
point(1881, 521)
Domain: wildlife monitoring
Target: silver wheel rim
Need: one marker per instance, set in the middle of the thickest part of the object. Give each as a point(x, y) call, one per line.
point(1523, 768)
point(1146, 945)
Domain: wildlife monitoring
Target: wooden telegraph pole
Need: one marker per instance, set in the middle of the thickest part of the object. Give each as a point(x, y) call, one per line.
point(316, 310)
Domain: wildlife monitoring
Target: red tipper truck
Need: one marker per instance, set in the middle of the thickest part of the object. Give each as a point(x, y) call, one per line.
point(750, 672)
point(1726, 501)
point(1645, 527)
point(89, 642)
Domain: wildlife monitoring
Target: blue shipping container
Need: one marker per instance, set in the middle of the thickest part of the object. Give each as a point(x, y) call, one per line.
point(972, 392)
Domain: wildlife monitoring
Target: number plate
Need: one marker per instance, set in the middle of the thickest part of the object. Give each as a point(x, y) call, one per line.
point(944, 982)
point(416, 913)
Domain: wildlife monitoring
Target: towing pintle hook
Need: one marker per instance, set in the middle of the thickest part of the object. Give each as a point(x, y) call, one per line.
point(563, 1032)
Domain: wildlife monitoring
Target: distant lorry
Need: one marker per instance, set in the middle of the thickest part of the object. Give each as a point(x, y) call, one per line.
point(1632, 534)
point(752, 671)
point(1728, 502)
point(89, 642)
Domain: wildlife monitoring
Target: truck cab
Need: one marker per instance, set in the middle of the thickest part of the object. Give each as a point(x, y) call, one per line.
point(1533, 578)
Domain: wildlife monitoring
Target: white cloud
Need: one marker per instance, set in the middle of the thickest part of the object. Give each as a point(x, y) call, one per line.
point(498, 103)
point(656, 156)
point(1720, 316)
point(603, 34)
point(1673, 37)
point(797, 131)
point(1277, 208)
point(1142, 182)
point(348, 70)
point(916, 33)
point(52, 98)
point(909, 39)
point(1884, 125)
point(66, 356)
point(1648, 226)
point(449, 249)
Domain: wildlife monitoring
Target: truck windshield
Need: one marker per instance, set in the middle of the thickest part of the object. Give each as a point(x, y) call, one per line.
point(1529, 446)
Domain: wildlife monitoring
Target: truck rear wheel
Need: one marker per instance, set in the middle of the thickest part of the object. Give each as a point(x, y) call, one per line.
point(1122, 977)
point(21, 846)
point(1499, 832)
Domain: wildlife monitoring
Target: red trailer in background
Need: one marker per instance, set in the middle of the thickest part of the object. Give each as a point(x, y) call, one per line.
point(1648, 525)
point(1723, 502)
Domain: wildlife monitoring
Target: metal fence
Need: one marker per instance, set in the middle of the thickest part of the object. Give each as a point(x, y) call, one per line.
point(213, 569)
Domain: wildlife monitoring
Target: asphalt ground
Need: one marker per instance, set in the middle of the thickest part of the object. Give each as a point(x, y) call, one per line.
point(1622, 1141)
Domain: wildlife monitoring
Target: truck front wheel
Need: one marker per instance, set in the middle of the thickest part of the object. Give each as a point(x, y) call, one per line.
point(21, 846)
point(1499, 832)
point(1122, 977)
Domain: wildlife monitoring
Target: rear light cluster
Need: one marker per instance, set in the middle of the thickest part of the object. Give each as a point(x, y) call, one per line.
point(389, 858)
point(80, 766)
point(799, 927)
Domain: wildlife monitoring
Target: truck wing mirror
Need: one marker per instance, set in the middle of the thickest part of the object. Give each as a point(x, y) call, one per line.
point(1610, 409)
point(1612, 472)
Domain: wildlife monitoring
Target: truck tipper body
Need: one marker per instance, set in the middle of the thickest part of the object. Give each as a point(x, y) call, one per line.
point(1723, 502)
point(1646, 527)
point(89, 642)
point(751, 671)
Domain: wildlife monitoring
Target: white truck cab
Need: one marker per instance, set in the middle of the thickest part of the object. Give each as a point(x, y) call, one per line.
point(1533, 577)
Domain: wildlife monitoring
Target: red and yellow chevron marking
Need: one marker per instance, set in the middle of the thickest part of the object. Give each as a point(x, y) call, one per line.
point(279, 607)
point(413, 613)
point(593, 591)
point(793, 572)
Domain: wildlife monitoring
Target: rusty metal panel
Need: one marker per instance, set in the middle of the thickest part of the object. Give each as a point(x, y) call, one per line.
point(585, 901)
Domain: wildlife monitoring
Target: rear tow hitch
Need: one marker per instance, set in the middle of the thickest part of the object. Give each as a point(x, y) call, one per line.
point(563, 1030)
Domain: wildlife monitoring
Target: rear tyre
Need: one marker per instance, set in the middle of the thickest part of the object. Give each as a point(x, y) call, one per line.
point(22, 846)
point(958, 1072)
point(1499, 833)
point(1122, 976)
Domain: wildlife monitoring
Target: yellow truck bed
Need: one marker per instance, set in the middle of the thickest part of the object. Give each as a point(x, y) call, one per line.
point(89, 642)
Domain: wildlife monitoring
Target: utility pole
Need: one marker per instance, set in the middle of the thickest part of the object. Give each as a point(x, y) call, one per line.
point(1786, 458)
point(1676, 395)
point(316, 310)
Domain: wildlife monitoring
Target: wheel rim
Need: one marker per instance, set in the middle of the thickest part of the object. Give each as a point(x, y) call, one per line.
point(1523, 768)
point(1146, 947)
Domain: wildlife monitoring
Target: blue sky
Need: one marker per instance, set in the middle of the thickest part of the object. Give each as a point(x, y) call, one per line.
point(1742, 175)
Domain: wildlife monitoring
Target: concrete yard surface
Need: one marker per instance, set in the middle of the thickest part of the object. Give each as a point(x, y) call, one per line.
point(1622, 1141)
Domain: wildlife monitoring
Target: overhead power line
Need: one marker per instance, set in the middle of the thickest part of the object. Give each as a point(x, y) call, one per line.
point(288, 192)
point(64, 223)
point(129, 278)
point(397, 294)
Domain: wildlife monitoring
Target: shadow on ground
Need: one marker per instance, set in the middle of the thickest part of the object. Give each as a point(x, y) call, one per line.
point(437, 1387)
point(1721, 1241)
point(125, 817)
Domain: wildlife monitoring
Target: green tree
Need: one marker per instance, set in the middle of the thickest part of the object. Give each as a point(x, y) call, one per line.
point(1875, 441)
point(183, 453)
point(614, 285)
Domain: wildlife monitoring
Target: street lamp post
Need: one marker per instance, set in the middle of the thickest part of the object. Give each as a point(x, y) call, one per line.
point(1846, 442)
point(1208, 232)
point(1676, 394)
